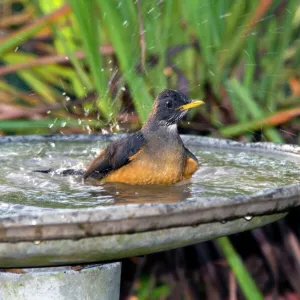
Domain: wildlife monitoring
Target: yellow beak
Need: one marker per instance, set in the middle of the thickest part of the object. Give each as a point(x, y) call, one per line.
point(193, 104)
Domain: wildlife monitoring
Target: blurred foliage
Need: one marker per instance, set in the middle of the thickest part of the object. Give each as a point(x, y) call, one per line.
point(241, 57)
point(80, 66)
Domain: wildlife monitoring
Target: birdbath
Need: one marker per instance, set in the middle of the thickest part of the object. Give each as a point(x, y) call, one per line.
point(51, 222)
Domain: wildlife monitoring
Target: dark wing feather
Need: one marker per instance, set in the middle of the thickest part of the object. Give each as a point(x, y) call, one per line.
point(115, 156)
point(191, 155)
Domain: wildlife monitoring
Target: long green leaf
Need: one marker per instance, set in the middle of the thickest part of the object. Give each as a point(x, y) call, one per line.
point(121, 39)
point(86, 15)
point(252, 107)
point(248, 286)
point(12, 41)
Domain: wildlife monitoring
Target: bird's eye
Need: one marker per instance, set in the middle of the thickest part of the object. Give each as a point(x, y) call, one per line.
point(169, 104)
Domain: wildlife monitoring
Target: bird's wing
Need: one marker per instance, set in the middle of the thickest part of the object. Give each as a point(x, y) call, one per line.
point(191, 155)
point(115, 156)
point(191, 164)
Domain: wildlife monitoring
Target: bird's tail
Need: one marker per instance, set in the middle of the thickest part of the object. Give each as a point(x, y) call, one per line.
point(65, 172)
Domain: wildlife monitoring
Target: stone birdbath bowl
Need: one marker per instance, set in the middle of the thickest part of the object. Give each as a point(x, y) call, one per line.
point(49, 221)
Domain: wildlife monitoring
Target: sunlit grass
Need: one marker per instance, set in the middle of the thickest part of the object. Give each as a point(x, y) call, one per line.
point(243, 52)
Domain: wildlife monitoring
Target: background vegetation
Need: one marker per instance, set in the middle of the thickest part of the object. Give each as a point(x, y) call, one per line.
point(96, 66)
point(99, 61)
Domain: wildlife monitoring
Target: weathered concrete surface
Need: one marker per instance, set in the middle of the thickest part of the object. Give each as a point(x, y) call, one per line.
point(93, 282)
point(117, 246)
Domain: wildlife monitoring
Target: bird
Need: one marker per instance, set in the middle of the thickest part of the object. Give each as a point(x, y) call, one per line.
point(154, 155)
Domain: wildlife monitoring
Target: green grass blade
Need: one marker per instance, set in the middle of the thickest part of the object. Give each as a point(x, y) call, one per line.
point(253, 108)
point(248, 286)
point(20, 36)
point(120, 37)
point(281, 45)
point(86, 15)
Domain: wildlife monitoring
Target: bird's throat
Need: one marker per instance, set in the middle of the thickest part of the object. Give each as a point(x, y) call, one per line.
point(172, 128)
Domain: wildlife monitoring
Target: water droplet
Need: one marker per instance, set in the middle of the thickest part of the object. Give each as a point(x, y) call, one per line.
point(68, 98)
point(88, 128)
point(211, 73)
point(52, 145)
point(248, 218)
point(37, 242)
point(225, 15)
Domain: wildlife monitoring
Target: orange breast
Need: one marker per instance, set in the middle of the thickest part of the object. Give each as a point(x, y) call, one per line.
point(166, 168)
point(190, 168)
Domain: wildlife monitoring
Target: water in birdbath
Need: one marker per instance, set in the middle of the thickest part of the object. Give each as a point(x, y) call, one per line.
point(222, 173)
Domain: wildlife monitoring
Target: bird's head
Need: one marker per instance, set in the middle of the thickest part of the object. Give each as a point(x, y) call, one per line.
point(171, 106)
